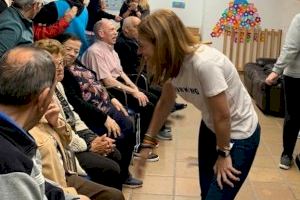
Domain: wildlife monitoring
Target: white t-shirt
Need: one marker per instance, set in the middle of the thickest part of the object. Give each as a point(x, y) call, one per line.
point(207, 73)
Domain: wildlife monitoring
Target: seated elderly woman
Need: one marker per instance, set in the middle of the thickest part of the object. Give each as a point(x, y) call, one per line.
point(97, 154)
point(92, 102)
point(57, 141)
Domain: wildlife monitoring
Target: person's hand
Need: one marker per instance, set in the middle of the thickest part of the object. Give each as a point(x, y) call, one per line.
point(111, 145)
point(138, 14)
point(52, 113)
point(118, 18)
point(70, 14)
point(225, 172)
point(272, 78)
point(133, 6)
point(119, 106)
point(141, 97)
point(83, 197)
point(102, 145)
point(112, 127)
point(140, 165)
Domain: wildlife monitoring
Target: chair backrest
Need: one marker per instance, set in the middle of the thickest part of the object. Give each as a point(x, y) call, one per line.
point(244, 45)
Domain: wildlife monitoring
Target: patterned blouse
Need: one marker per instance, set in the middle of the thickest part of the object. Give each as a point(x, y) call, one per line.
point(92, 90)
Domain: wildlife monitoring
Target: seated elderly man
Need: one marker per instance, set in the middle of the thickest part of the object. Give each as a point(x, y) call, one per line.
point(103, 59)
point(127, 45)
point(21, 108)
point(127, 48)
point(16, 24)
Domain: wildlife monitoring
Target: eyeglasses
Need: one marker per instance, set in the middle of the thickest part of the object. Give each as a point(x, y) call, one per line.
point(59, 63)
point(68, 49)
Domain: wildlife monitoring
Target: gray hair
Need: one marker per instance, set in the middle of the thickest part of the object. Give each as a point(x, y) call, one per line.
point(24, 73)
point(99, 26)
point(25, 3)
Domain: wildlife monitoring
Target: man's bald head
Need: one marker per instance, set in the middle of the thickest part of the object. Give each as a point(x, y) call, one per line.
point(130, 25)
point(105, 30)
point(24, 73)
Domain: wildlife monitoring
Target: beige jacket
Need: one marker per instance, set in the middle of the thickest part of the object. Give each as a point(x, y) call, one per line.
point(51, 143)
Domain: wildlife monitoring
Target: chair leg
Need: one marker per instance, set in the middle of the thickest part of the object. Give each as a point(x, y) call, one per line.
point(137, 125)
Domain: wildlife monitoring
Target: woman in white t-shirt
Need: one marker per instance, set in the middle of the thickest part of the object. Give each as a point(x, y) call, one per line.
point(229, 132)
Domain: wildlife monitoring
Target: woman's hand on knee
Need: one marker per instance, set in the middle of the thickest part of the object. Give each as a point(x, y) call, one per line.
point(225, 172)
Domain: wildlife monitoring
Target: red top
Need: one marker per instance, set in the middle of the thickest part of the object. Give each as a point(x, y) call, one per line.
point(51, 31)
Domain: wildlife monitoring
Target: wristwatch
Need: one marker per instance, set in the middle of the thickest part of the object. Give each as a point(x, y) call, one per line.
point(225, 151)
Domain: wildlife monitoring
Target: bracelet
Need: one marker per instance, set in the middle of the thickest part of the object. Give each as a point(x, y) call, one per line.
point(150, 138)
point(147, 146)
point(145, 141)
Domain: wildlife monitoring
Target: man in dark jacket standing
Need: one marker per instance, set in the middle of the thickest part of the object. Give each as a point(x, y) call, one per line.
point(27, 79)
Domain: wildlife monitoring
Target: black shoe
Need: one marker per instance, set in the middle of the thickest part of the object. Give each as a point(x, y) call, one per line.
point(179, 106)
point(132, 183)
point(152, 157)
point(285, 162)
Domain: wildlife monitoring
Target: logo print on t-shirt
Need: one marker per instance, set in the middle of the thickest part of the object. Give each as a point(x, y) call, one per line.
point(187, 90)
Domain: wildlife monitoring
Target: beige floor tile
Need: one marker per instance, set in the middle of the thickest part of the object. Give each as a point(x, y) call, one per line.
point(187, 144)
point(264, 161)
point(186, 198)
point(259, 174)
point(262, 149)
point(157, 185)
point(246, 192)
point(275, 149)
point(186, 170)
point(186, 155)
point(272, 191)
point(292, 175)
point(295, 188)
point(187, 187)
point(161, 168)
point(151, 197)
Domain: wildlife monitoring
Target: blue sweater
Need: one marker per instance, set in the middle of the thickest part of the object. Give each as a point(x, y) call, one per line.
point(78, 24)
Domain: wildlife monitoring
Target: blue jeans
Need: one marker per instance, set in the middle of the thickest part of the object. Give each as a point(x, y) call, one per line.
point(242, 155)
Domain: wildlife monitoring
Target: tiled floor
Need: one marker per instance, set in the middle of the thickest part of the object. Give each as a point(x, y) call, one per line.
point(175, 175)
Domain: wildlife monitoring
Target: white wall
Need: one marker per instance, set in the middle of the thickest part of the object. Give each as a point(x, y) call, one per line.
point(191, 15)
point(267, 9)
point(203, 14)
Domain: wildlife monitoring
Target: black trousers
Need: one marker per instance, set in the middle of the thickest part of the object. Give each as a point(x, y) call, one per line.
point(93, 190)
point(124, 143)
point(132, 103)
point(100, 169)
point(291, 124)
